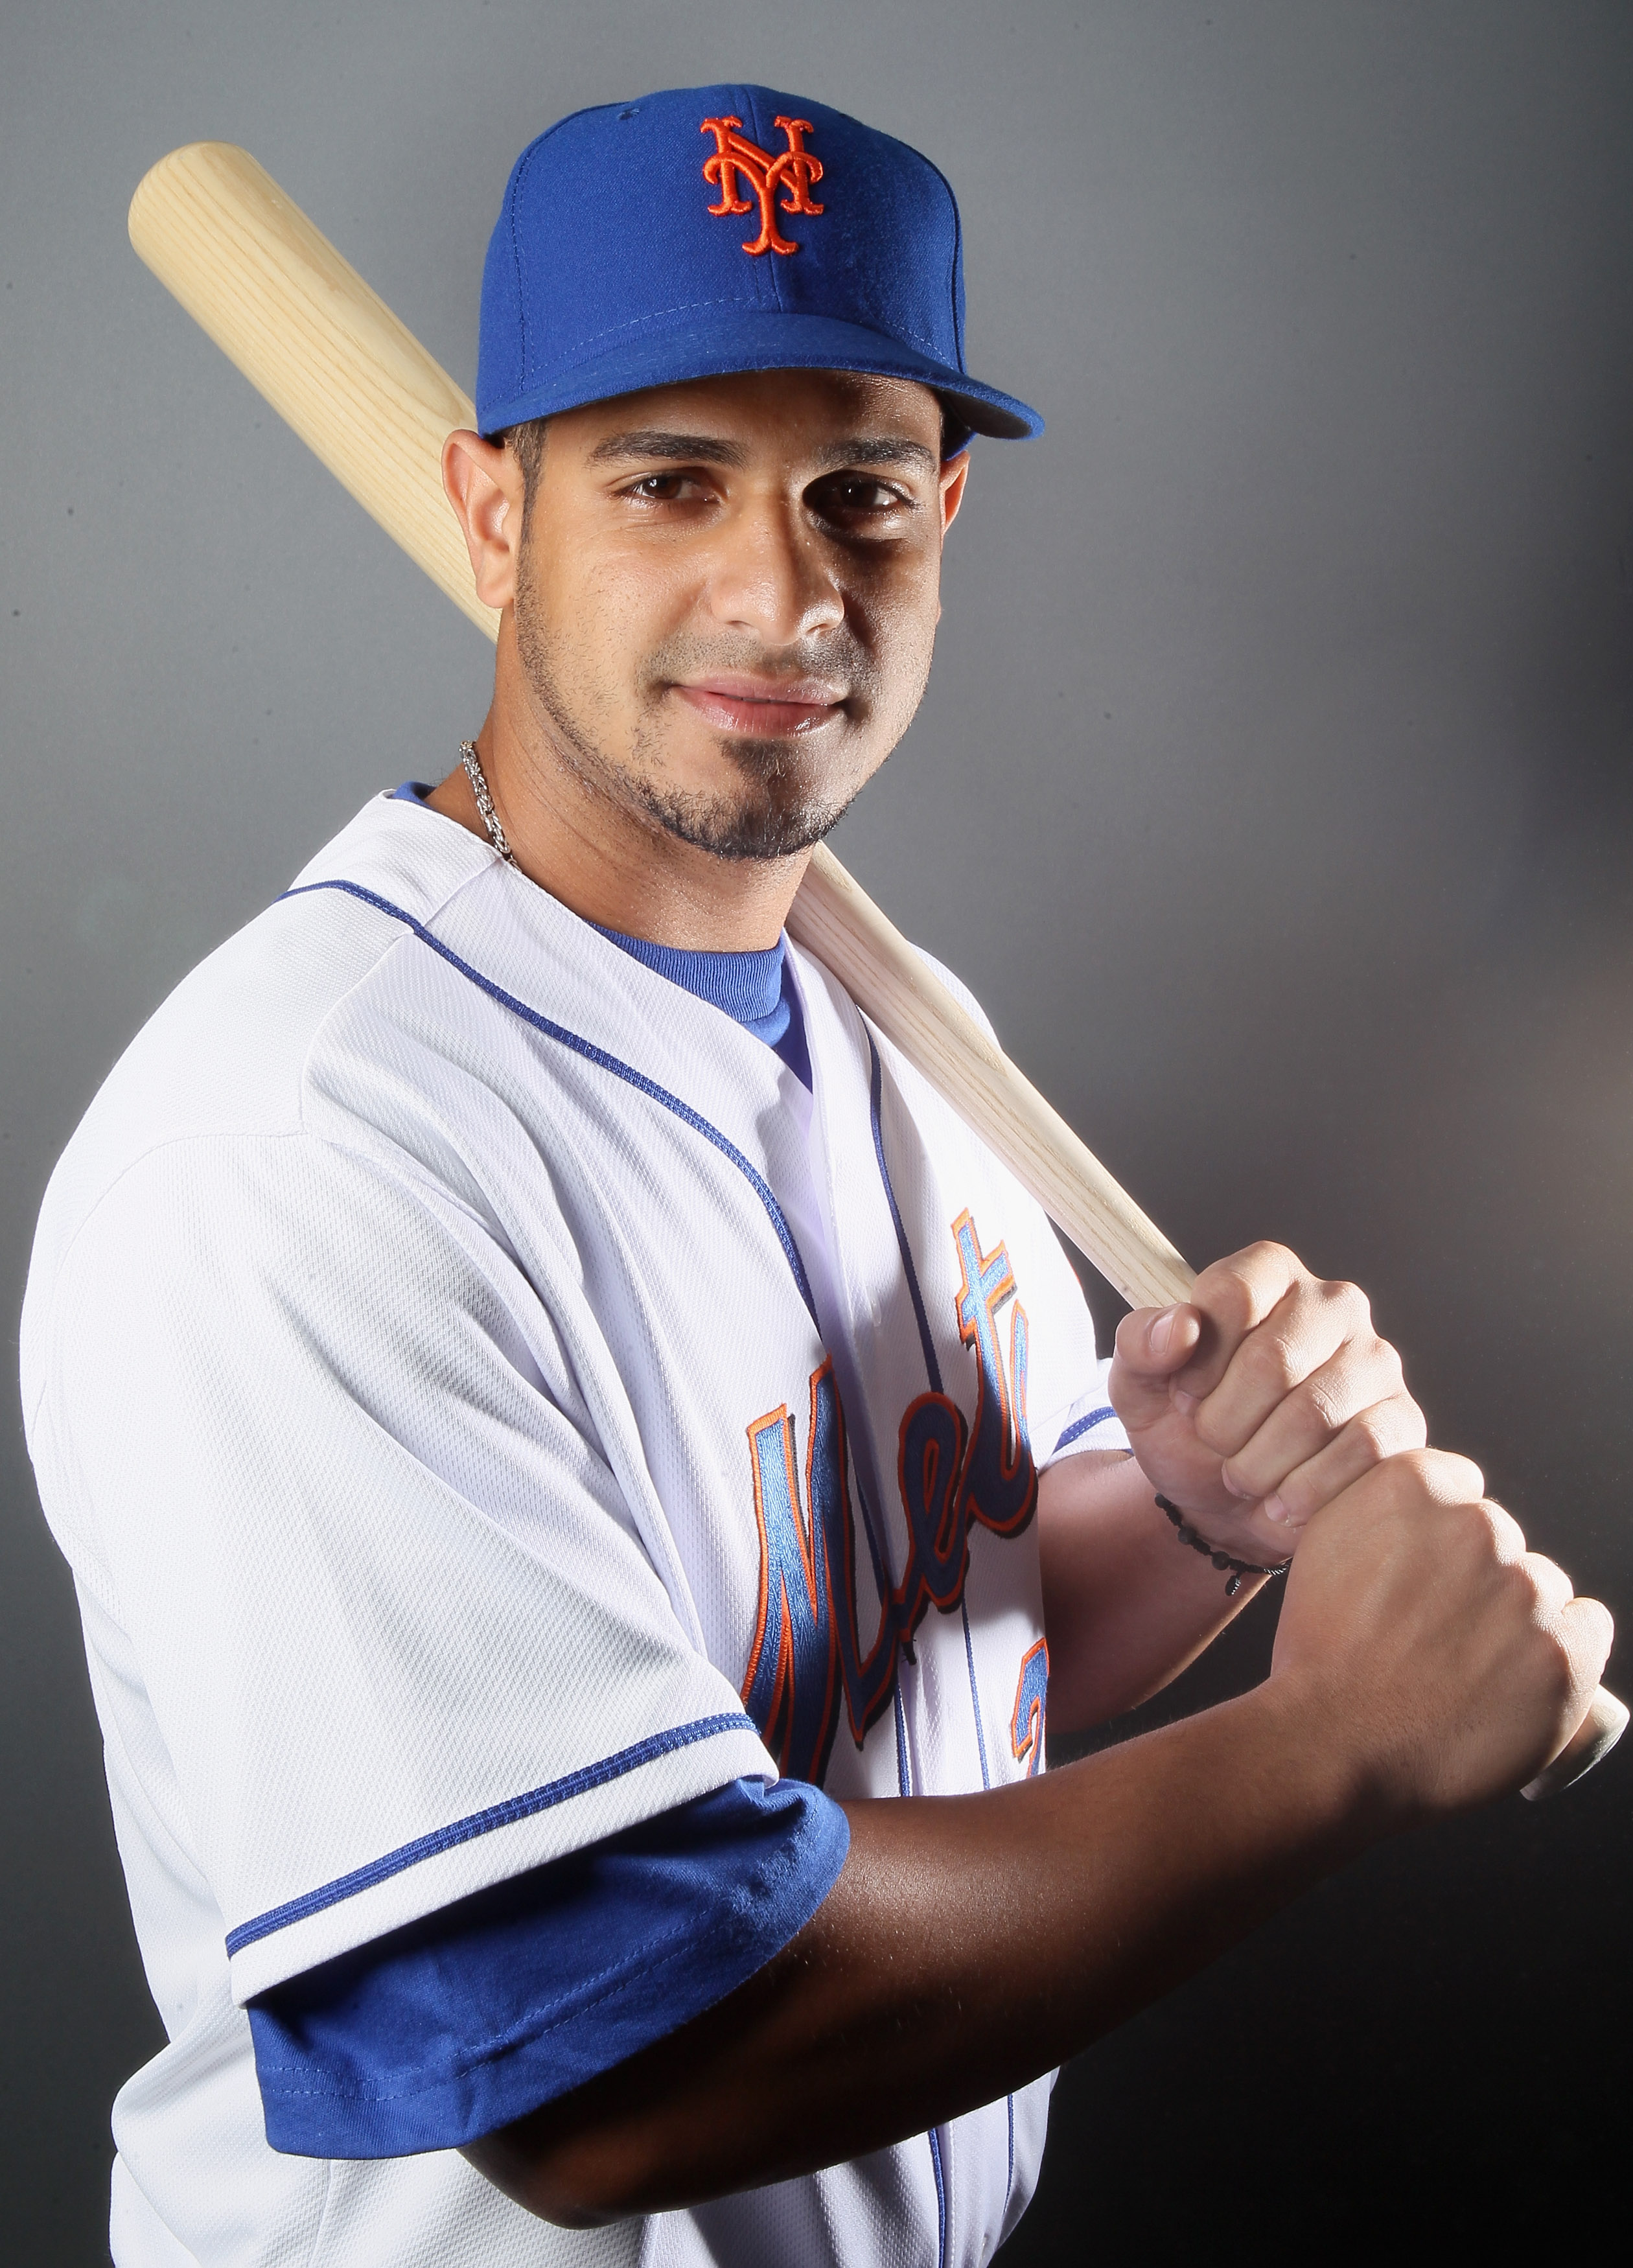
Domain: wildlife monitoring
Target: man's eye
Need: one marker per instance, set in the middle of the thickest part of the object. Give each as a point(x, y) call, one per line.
point(852, 496)
point(662, 487)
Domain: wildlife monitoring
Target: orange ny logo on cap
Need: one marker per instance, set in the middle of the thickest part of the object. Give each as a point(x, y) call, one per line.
point(795, 168)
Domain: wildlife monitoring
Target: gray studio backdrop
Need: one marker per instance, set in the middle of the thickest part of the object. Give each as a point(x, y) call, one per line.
point(1272, 791)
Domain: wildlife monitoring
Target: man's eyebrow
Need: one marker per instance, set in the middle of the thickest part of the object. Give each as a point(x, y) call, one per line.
point(648, 444)
point(883, 449)
point(652, 445)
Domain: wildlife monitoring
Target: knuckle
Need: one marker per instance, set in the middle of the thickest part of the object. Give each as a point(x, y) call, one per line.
point(1383, 1361)
point(1411, 1471)
point(1272, 1360)
point(1394, 1427)
point(1350, 1299)
point(1418, 1478)
point(1227, 1299)
point(1521, 1586)
point(1323, 1405)
point(1249, 1282)
point(1372, 1433)
point(1508, 1539)
point(1548, 1581)
point(1396, 1488)
point(1264, 1255)
point(1218, 1432)
point(1557, 1668)
point(1450, 1474)
point(1483, 1526)
point(1475, 1524)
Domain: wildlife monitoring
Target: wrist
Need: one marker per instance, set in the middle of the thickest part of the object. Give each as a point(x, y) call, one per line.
point(1235, 1570)
point(1304, 1739)
point(1236, 1524)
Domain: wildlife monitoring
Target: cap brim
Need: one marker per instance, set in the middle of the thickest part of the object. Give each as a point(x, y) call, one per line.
point(762, 338)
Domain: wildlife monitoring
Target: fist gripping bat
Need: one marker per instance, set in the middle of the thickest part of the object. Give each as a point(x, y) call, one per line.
point(359, 389)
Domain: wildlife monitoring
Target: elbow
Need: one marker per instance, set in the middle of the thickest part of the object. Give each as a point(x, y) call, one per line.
point(573, 2186)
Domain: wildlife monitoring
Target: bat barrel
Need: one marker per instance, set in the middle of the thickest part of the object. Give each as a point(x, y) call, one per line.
point(309, 334)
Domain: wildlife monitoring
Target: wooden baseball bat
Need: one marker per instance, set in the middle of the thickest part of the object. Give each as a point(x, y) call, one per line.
point(356, 385)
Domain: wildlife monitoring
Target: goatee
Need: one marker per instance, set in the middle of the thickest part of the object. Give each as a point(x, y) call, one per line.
point(778, 813)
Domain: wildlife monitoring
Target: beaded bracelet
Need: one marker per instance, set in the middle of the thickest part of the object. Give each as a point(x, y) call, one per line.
point(1187, 1534)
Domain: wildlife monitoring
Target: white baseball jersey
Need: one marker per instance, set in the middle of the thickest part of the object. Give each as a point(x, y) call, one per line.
point(486, 1401)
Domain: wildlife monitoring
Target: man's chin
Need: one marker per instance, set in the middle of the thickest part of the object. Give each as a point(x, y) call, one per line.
point(728, 829)
point(767, 810)
point(743, 826)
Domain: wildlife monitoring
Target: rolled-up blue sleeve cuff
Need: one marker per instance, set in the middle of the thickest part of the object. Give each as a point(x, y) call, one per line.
point(454, 2026)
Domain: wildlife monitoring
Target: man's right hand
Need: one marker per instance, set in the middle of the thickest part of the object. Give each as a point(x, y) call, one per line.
point(1445, 1660)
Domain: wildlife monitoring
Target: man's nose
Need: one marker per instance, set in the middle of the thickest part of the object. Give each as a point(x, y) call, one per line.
point(772, 575)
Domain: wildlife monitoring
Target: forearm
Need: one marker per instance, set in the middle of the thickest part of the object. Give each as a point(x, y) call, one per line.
point(1125, 1606)
point(969, 1944)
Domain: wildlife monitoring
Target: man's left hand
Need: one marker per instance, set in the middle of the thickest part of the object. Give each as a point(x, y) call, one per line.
point(1260, 1399)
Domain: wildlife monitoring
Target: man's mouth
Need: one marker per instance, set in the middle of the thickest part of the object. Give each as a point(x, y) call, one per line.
point(762, 708)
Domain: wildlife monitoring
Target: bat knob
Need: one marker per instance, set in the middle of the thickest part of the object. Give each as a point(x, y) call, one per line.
point(1605, 1723)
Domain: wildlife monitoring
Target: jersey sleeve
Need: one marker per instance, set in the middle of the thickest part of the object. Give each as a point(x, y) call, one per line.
point(452, 2026)
point(1089, 1422)
point(318, 1446)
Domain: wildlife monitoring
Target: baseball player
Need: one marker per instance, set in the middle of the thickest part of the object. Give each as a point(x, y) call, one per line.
point(587, 1486)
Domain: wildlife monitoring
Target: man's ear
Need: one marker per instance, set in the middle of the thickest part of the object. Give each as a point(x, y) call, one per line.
point(954, 476)
point(486, 487)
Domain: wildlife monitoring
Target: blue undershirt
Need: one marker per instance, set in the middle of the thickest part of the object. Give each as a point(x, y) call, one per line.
point(756, 990)
point(440, 2032)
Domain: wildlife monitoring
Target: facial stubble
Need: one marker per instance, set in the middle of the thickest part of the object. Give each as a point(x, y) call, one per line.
point(780, 809)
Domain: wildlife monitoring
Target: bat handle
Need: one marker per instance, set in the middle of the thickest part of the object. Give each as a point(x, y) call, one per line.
point(1605, 1723)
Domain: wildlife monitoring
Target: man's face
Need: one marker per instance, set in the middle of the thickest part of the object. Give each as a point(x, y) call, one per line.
point(727, 595)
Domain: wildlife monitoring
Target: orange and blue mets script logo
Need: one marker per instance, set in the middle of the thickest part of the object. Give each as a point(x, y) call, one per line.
point(737, 159)
point(806, 1656)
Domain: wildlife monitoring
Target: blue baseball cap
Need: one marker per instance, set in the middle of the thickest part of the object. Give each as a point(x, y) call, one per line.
point(714, 229)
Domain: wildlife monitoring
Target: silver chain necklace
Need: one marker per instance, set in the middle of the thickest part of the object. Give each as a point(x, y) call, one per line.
point(490, 818)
